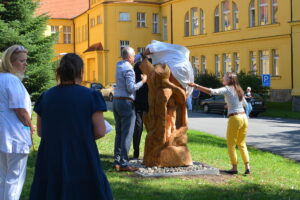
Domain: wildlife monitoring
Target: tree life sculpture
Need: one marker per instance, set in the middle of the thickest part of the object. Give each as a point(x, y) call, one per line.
point(166, 120)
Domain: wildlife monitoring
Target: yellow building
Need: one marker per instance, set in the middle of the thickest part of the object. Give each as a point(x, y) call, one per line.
point(257, 36)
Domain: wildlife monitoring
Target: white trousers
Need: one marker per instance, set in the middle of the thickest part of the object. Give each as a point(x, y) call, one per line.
point(12, 175)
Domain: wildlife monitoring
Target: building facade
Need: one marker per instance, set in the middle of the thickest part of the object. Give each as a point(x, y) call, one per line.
point(256, 36)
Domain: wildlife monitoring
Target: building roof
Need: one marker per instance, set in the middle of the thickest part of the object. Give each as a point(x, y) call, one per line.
point(62, 9)
point(95, 47)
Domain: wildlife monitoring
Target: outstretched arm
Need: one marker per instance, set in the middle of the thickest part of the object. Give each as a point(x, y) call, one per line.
point(201, 88)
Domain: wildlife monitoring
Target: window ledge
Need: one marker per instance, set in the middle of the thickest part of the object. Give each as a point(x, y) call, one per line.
point(264, 26)
point(194, 36)
point(156, 33)
point(124, 21)
point(275, 77)
point(142, 27)
point(224, 32)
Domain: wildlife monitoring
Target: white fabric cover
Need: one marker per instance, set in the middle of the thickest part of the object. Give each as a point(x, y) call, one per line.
point(177, 58)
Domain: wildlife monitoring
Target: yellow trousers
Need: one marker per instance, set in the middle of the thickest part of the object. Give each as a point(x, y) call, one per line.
point(236, 135)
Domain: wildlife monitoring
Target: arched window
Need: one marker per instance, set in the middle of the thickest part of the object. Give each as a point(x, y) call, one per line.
point(195, 21)
point(202, 22)
point(252, 13)
point(235, 16)
point(217, 19)
point(263, 12)
point(186, 24)
point(226, 15)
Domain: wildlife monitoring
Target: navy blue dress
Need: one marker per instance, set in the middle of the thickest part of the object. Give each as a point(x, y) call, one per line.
point(68, 164)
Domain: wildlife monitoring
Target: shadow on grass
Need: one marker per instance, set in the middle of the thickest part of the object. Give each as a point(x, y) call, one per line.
point(197, 138)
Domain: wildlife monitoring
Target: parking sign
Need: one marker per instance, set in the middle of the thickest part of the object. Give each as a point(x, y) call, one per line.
point(266, 80)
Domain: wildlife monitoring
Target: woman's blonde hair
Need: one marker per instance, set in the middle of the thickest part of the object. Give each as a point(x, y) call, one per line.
point(9, 56)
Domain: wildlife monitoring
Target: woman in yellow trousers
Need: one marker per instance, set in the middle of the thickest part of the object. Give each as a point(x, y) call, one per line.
point(237, 125)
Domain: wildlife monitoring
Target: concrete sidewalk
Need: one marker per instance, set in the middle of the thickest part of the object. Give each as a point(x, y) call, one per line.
point(277, 135)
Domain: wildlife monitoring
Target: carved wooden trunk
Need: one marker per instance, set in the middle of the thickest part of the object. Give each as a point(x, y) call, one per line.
point(166, 121)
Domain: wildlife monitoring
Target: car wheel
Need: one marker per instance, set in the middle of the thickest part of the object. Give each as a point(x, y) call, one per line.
point(110, 97)
point(206, 108)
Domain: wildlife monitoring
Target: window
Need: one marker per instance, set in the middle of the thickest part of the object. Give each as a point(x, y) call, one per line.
point(275, 71)
point(123, 43)
point(264, 62)
point(195, 65)
point(186, 24)
point(54, 29)
point(253, 65)
point(236, 57)
point(155, 23)
point(93, 23)
point(195, 21)
point(83, 33)
point(99, 19)
point(141, 20)
point(124, 16)
point(235, 16)
point(203, 64)
point(252, 14)
point(67, 34)
point(217, 65)
point(227, 62)
point(217, 20)
point(274, 11)
point(79, 34)
point(226, 16)
point(86, 32)
point(165, 31)
point(263, 12)
point(202, 22)
point(140, 49)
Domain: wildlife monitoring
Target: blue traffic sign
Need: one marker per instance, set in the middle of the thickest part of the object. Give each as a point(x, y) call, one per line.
point(266, 80)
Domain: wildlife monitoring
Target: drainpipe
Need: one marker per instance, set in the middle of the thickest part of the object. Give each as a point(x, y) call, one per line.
point(171, 23)
point(292, 50)
point(74, 36)
point(88, 30)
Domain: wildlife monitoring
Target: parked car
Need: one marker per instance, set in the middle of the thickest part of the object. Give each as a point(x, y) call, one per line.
point(108, 91)
point(217, 104)
point(96, 86)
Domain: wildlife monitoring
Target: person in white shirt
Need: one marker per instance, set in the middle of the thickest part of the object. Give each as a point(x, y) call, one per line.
point(237, 123)
point(15, 123)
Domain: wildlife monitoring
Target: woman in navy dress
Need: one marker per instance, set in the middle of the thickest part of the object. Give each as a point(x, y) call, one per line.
point(70, 119)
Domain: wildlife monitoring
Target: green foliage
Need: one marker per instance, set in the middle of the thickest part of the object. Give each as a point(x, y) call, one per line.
point(18, 25)
point(207, 80)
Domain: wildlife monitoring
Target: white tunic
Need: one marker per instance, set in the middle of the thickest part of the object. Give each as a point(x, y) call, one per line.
point(14, 136)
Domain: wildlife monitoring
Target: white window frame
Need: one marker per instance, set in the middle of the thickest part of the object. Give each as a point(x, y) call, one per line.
point(83, 33)
point(236, 57)
point(217, 65)
point(155, 25)
point(195, 65)
point(235, 16)
point(226, 24)
point(165, 28)
point(141, 20)
point(124, 16)
point(274, 11)
point(217, 20)
point(253, 62)
point(275, 55)
point(203, 64)
point(265, 7)
point(99, 19)
point(54, 29)
point(227, 63)
point(93, 22)
point(252, 14)
point(123, 43)
point(67, 34)
point(140, 49)
point(264, 62)
point(202, 22)
point(194, 21)
point(187, 25)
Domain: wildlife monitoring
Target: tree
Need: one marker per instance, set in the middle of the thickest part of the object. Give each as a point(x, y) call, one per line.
point(18, 25)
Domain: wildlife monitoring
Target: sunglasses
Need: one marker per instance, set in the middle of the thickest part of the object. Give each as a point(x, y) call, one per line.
point(19, 49)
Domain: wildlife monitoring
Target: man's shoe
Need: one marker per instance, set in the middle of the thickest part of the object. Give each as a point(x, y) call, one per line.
point(231, 172)
point(117, 167)
point(128, 169)
point(247, 172)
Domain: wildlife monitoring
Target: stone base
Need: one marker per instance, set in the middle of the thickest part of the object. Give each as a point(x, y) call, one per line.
point(296, 104)
point(196, 169)
point(280, 95)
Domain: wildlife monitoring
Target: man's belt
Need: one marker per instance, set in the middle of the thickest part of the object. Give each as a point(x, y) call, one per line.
point(123, 98)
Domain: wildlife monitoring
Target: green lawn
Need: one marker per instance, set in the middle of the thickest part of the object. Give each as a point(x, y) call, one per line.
point(280, 109)
point(273, 177)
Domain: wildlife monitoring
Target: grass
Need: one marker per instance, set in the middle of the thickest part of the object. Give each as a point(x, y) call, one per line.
point(273, 177)
point(280, 109)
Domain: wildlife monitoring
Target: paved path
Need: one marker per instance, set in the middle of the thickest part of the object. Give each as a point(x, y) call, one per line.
point(277, 135)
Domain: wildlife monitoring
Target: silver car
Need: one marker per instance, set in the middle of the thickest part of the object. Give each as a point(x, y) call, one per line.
point(108, 91)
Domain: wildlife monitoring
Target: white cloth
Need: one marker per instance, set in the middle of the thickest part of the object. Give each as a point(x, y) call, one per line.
point(12, 175)
point(231, 98)
point(14, 136)
point(177, 58)
point(108, 127)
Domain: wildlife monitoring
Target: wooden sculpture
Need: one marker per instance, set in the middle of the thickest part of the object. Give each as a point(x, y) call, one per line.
point(166, 120)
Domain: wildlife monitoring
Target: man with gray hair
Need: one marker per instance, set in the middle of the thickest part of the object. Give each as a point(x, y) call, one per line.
point(123, 108)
